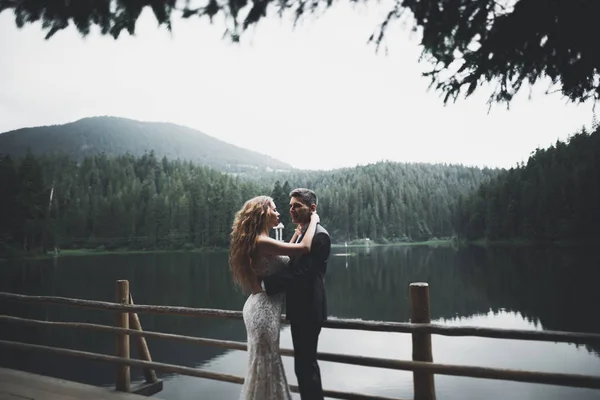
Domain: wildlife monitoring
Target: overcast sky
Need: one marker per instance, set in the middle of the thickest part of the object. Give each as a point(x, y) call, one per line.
point(316, 96)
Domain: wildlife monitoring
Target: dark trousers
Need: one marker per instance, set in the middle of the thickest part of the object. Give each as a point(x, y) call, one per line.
point(305, 336)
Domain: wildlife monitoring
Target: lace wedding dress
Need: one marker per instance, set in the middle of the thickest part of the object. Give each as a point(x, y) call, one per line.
point(265, 378)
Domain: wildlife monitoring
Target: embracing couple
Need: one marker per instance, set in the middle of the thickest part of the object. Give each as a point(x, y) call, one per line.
point(272, 271)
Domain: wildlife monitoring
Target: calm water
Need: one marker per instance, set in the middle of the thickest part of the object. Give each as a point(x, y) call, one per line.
point(521, 288)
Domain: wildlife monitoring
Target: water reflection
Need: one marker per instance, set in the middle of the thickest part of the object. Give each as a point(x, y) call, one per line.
point(525, 288)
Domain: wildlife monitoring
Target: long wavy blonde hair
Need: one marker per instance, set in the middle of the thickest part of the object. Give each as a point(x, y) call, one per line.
point(249, 222)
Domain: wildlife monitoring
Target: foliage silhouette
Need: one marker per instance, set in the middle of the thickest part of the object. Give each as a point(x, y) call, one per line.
point(469, 42)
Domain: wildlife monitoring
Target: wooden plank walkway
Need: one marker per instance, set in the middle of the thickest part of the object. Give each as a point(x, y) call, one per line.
point(19, 385)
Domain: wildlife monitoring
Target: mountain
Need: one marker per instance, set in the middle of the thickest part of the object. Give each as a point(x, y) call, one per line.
point(117, 136)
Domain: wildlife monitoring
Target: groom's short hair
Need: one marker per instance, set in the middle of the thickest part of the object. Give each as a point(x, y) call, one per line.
point(306, 196)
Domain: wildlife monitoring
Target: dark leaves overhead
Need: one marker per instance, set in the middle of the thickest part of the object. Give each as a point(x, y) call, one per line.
point(469, 42)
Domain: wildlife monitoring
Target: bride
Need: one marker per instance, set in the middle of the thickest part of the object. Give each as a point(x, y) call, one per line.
point(252, 256)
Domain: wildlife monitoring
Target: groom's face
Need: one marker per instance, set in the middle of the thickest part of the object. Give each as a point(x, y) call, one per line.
point(299, 211)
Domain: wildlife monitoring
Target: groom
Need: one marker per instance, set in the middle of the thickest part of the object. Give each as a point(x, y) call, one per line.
point(306, 304)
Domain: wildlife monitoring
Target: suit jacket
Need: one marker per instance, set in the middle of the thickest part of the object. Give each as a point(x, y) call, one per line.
point(304, 281)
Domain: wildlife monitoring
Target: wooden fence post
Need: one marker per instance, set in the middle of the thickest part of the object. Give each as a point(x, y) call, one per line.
point(423, 382)
point(141, 345)
point(123, 380)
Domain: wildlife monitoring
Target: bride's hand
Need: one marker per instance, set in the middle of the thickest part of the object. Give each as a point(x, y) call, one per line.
point(315, 217)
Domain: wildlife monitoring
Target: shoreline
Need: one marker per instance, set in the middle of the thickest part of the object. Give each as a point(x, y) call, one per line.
point(437, 243)
point(94, 252)
point(429, 243)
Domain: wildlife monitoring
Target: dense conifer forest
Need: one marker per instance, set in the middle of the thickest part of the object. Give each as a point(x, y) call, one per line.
point(146, 202)
point(151, 202)
point(555, 196)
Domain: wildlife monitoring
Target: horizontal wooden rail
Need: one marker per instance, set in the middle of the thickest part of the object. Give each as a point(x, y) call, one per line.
point(559, 379)
point(199, 373)
point(460, 331)
point(333, 323)
point(105, 305)
point(224, 344)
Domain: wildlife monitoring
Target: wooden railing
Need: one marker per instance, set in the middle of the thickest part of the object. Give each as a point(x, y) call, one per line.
point(421, 329)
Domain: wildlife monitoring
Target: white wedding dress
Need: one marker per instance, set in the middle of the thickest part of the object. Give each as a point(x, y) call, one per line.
point(265, 378)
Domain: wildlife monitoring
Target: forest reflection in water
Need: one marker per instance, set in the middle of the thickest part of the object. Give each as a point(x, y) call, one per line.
point(506, 287)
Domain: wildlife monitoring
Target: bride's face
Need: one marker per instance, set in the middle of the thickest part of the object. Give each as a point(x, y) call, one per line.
point(273, 215)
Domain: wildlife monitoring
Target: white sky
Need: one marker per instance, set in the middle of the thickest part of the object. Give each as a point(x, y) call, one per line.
point(316, 97)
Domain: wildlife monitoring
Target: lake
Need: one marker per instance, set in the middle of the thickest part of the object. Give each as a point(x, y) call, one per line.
point(505, 287)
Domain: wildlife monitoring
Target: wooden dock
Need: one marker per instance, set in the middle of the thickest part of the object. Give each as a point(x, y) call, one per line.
point(19, 385)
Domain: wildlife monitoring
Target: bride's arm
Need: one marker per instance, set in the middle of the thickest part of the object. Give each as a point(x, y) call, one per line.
point(295, 235)
point(268, 246)
point(283, 279)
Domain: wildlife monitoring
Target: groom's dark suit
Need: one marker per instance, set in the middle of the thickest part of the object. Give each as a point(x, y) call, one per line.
point(306, 309)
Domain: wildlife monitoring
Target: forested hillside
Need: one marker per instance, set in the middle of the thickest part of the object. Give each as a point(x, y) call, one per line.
point(555, 196)
point(387, 201)
point(118, 136)
point(115, 202)
point(146, 202)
